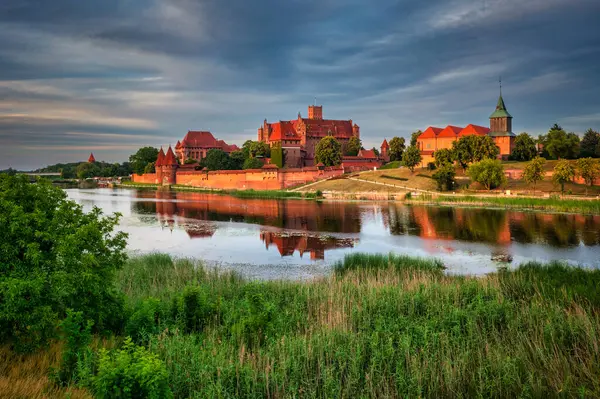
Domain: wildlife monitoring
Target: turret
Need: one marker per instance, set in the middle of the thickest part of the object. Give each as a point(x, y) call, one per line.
point(385, 147)
point(158, 165)
point(91, 159)
point(169, 168)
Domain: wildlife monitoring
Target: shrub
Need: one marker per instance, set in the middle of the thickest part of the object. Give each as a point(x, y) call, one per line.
point(431, 166)
point(78, 336)
point(144, 320)
point(445, 177)
point(54, 257)
point(488, 173)
point(319, 194)
point(131, 372)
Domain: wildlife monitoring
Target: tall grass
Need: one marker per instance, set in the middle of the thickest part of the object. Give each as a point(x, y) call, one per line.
point(551, 204)
point(380, 326)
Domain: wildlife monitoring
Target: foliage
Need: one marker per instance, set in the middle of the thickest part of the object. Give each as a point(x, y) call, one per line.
point(149, 168)
point(131, 372)
point(190, 161)
point(558, 144)
point(102, 169)
point(78, 335)
point(414, 137)
point(375, 151)
point(473, 148)
point(534, 171)
point(144, 320)
point(590, 144)
point(237, 159)
point(397, 147)
point(277, 155)
point(353, 147)
point(525, 149)
point(445, 177)
point(411, 158)
point(563, 172)
point(488, 172)
point(143, 157)
point(443, 157)
point(259, 149)
point(328, 151)
point(463, 151)
point(588, 169)
point(86, 170)
point(217, 160)
point(54, 257)
point(252, 163)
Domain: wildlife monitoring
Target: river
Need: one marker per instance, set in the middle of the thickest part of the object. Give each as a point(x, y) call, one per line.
point(296, 239)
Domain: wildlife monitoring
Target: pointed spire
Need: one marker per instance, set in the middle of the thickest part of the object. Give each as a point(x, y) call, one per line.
point(161, 158)
point(91, 159)
point(500, 111)
point(170, 158)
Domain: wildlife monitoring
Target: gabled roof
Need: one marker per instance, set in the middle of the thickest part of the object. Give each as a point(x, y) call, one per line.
point(450, 131)
point(500, 111)
point(370, 154)
point(160, 159)
point(170, 159)
point(430, 133)
point(283, 130)
point(474, 130)
point(199, 139)
point(321, 127)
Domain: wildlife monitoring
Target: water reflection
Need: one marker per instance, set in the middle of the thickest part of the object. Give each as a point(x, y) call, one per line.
point(258, 231)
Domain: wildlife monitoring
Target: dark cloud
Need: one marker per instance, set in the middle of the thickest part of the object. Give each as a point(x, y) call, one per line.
point(107, 73)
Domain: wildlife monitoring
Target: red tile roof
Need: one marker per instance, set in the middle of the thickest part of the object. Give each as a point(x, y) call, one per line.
point(203, 139)
point(430, 133)
point(91, 159)
point(450, 131)
point(283, 130)
point(178, 145)
point(385, 144)
point(169, 158)
point(474, 130)
point(321, 127)
point(160, 159)
point(367, 154)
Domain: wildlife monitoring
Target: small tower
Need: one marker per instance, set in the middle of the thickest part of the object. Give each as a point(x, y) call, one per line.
point(169, 168)
point(385, 147)
point(315, 112)
point(356, 131)
point(91, 159)
point(160, 160)
point(500, 119)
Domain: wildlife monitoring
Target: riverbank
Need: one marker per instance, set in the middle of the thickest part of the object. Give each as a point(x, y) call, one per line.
point(380, 326)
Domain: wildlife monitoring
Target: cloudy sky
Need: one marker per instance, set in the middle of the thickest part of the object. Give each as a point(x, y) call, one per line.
point(109, 76)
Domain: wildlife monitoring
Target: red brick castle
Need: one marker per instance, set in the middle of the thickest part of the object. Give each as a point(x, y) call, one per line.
point(299, 137)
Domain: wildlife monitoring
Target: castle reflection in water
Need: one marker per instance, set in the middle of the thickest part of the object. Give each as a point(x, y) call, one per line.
point(316, 227)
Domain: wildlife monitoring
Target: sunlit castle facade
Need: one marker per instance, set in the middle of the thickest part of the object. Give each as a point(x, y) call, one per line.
point(436, 138)
point(299, 137)
point(196, 144)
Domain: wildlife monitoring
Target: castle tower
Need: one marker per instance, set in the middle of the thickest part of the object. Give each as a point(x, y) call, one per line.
point(91, 159)
point(315, 112)
point(169, 168)
point(385, 147)
point(158, 165)
point(500, 119)
point(356, 131)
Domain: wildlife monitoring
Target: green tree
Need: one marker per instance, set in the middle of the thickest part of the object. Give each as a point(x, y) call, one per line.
point(237, 159)
point(558, 144)
point(54, 257)
point(411, 158)
point(463, 151)
point(534, 171)
point(589, 144)
point(525, 149)
point(414, 137)
point(443, 157)
point(483, 147)
point(252, 163)
point(488, 172)
point(149, 168)
point(375, 150)
point(588, 169)
point(353, 147)
point(573, 146)
point(143, 157)
point(85, 170)
point(397, 147)
point(260, 149)
point(217, 160)
point(328, 151)
point(563, 172)
point(445, 177)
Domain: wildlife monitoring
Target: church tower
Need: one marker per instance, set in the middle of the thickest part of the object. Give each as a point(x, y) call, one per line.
point(501, 120)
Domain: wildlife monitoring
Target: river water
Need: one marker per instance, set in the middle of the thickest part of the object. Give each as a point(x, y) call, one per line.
point(298, 239)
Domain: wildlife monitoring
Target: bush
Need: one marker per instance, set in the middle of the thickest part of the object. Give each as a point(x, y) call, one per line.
point(131, 372)
point(253, 163)
point(431, 166)
point(54, 257)
point(445, 178)
point(144, 320)
point(194, 309)
point(319, 194)
point(78, 336)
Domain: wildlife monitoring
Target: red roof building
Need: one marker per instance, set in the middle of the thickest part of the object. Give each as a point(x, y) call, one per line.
point(196, 144)
point(474, 130)
point(299, 137)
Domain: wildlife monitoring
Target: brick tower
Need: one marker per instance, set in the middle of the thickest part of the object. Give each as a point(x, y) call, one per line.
point(315, 112)
point(169, 168)
point(160, 160)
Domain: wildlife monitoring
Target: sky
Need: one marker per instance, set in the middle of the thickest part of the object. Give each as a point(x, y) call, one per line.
point(111, 76)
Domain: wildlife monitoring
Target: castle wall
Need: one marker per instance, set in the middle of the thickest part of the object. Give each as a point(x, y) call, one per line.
point(146, 178)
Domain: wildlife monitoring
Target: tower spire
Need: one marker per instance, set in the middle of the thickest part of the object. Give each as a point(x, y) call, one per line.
point(500, 81)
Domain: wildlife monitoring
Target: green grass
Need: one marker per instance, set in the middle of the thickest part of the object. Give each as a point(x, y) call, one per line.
point(392, 165)
point(379, 326)
point(550, 204)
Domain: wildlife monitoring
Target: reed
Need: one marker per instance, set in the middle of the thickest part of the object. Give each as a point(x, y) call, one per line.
point(380, 326)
